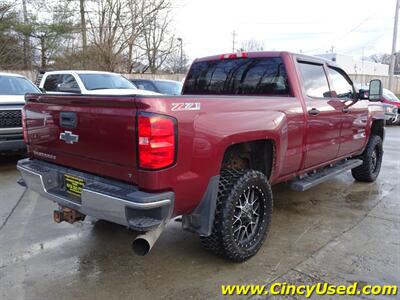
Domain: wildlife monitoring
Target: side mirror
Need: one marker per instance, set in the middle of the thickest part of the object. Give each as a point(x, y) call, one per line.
point(66, 88)
point(375, 90)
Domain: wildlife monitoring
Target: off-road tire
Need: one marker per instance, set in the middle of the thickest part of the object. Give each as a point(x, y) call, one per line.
point(232, 186)
point(372, 161)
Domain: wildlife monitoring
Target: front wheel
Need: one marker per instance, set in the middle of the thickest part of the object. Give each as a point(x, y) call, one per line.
point(243, 215)
point(372, 161)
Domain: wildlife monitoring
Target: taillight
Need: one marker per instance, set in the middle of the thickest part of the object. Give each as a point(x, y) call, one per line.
point(24, 128)
point(156, 141)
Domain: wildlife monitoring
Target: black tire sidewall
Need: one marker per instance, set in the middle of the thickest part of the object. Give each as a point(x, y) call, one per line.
point(249, 179)
point(375, 142)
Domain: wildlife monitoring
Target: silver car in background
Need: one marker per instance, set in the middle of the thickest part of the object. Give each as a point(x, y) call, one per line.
point(13, 88)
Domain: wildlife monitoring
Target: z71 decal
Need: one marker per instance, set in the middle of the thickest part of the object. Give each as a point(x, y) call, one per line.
point(185, 106)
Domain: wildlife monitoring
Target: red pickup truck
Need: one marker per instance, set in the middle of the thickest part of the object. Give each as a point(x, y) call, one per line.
point(244, 122)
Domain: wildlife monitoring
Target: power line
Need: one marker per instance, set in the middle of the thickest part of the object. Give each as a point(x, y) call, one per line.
point(344, 35)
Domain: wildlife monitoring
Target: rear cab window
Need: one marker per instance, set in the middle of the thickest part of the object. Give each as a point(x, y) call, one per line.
point(52, 81)
point(241, 76)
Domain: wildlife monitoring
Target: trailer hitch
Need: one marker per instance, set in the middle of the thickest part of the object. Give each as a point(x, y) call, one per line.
point(67, 214)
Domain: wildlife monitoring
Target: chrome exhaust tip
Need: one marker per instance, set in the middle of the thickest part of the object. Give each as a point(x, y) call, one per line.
point(143, 243)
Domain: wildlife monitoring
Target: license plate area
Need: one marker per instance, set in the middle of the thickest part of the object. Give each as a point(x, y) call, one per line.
point(73, 185)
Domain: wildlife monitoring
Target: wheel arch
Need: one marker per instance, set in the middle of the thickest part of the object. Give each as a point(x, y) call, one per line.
point(378, 128)
point(258, 155)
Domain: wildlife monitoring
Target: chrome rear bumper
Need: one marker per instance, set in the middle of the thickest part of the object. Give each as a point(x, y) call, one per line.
point(101, 198)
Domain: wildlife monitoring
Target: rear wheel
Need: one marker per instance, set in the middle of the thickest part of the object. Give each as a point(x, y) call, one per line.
point(243, 215)
point(372, 161)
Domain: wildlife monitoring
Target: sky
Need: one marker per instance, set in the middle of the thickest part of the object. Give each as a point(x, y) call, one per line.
point(354, 27)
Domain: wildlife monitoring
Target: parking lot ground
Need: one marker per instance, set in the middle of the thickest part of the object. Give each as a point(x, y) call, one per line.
point(339, 232)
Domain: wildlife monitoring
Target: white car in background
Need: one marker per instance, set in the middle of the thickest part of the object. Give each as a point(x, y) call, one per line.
point(13, 88)
point(89, 83)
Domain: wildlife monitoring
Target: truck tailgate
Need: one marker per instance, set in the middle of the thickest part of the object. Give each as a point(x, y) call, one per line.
point(91, 133)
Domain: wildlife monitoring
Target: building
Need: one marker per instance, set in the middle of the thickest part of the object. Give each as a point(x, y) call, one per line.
point(356, 67)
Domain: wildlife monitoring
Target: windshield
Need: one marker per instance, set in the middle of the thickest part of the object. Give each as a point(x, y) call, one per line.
point(12, 85)
point(390, 96)
point(105, 81)
point(169, 87)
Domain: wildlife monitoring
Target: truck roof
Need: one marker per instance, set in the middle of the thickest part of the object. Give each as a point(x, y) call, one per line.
point(254, 54)
point(78, 72)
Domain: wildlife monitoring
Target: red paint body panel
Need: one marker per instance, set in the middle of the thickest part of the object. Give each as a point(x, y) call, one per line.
point(107, 134)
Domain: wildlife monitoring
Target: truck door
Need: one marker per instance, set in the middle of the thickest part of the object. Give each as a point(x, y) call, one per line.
point(354, 115)
point(324, 115)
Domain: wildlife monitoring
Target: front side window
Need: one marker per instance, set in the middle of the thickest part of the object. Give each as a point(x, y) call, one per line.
point(340, 84)
point(314, 80)
point(241, 76)
point(100, 81)
point(13, 85)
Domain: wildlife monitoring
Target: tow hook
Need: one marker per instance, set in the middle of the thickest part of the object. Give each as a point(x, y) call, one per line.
point(68, 215)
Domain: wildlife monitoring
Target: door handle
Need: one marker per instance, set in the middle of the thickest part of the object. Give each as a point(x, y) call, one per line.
point(68, 120)
point(345, 109)
point(313, 112)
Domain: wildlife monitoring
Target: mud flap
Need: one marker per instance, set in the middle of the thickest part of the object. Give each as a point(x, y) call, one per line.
point(202, 218)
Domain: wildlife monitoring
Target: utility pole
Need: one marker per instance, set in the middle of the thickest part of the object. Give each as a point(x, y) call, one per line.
point(234, 34)
point(393, 56)
point(26, 42)
point(181, 61)
point(83, 29)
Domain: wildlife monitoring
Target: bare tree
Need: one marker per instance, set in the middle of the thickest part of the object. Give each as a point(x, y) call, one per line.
point(158, 43)
point(83, 29)
point(382, 58)
point(139, 12)
point(173, 63)
point(252, 45)
point(107, 25)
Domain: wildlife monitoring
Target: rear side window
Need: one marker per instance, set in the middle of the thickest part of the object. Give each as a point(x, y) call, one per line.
point(244, 76)
point(69, 81)
point(52, 82)
point(340, 84)
point(314, 80)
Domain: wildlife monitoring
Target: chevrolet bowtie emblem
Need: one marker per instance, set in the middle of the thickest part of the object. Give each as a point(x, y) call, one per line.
point(69, 137)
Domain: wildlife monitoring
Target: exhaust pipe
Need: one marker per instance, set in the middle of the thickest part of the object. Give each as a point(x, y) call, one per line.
point(143, 243)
